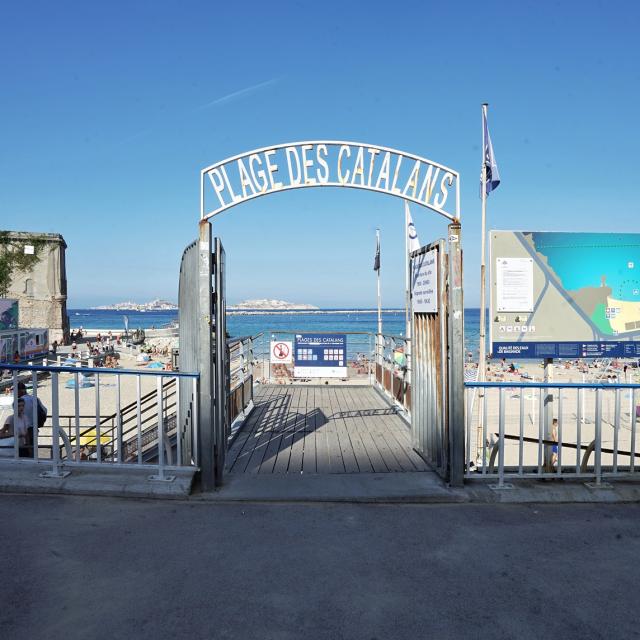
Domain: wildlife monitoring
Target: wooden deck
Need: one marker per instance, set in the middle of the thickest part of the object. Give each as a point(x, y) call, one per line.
point(322, 429)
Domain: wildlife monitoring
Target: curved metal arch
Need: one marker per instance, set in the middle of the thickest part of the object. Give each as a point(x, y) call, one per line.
point(455, 176)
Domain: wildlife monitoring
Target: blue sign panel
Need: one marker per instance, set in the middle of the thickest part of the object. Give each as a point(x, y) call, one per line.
point(536, 350)
point(320, 350)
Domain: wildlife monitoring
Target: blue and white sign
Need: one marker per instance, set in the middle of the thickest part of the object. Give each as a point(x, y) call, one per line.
point(320, 355)
point(537, 350)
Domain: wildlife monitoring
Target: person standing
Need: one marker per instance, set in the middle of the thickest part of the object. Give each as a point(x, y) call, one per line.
point(41, 417)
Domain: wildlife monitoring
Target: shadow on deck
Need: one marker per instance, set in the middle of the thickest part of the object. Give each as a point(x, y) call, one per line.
point(322, 430)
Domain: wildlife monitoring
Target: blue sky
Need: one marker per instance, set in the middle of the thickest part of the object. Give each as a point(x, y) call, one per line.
point(110, 111)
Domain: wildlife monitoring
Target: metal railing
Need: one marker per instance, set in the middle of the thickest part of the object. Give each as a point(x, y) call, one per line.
point(143, 424)
point(393, 369)
point(241, 375)
point(551, 430)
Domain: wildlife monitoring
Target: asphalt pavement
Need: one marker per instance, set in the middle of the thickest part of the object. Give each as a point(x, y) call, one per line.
point(95, 567)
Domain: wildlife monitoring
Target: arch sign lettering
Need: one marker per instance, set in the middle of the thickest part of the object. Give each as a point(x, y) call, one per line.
point(329, 164)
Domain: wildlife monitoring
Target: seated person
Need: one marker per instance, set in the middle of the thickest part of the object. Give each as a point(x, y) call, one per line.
point(14, 425)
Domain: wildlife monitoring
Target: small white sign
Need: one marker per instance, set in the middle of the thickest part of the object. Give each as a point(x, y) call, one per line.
point(424, 282)
point(514, 284)
point(29, 250)
point(281, 352)
point(320, 372)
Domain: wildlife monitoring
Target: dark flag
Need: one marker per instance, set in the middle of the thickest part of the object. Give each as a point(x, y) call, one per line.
point(376, 260)
point(493, 177)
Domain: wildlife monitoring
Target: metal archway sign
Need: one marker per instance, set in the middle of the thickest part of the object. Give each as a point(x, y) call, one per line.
point(329, 163)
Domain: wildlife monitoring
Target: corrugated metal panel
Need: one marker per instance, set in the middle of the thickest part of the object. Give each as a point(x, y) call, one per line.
point(430, 374)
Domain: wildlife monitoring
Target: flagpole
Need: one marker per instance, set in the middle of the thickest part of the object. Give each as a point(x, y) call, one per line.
point(378, 272)
point(483, 348)
point(407, 330)
point(379, 336)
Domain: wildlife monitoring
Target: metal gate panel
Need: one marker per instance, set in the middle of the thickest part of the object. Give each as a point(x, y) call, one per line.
point(188, 352)
point(221, 359)
point(430, 382)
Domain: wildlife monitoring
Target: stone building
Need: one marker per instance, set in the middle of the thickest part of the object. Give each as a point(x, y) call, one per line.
point(42, 291)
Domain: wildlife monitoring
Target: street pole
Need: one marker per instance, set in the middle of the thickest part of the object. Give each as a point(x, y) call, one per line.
point(379, 340)
point(483, 348)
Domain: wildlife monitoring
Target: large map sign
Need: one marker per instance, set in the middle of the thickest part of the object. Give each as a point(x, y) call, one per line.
point(564, 295)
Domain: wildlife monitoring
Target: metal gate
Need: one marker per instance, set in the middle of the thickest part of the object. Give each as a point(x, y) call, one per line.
point(437, 352)
point(202, 327)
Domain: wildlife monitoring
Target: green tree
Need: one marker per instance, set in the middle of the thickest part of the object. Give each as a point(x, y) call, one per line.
point(14, 260)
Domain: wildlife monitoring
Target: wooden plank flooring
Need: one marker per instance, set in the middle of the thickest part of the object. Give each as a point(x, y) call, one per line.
point(322, 429)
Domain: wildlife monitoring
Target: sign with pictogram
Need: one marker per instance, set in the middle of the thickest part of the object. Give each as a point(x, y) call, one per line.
point(281, 352)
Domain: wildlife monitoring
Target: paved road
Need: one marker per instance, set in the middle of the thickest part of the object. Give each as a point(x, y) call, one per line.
point(74, 567)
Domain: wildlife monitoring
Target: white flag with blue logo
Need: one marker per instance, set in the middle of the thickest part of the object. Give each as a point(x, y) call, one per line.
point(413, 244)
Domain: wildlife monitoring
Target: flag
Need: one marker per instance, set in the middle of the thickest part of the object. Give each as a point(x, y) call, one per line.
point(376, 260)
point(489, 160)
point(412, 235)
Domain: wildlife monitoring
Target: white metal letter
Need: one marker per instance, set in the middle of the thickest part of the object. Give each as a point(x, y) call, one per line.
point(343, 149)
point(307, 164)
point(372, 153)
point(322, 178)
point(218, 184)
point(292, 151)
point(254, 158)
point(441, 197)
point(358, 169)
point(412, 182)
point(245, 179)
point(384, 172)
point(271, 169)
point(427, 185)
point(395, 189)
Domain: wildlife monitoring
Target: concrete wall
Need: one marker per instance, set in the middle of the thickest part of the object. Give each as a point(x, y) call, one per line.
point(42, 292)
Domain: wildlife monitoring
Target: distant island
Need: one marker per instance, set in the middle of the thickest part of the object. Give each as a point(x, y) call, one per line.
point(270, 305)
point(154, 305)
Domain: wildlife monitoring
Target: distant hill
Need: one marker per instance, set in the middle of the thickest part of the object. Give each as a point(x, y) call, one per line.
point(154, 305)
point(265, 304)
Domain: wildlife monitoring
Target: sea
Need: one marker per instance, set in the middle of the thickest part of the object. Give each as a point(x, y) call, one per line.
point(281, 325)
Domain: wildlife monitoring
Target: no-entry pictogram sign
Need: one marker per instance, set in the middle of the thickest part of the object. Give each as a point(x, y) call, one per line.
point(281, 352)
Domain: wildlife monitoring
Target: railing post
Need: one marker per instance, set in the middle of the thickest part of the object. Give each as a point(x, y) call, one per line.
point(598, 437)
point(160, 476)
point(455, 311)
point(118, 419)
point(55, 472)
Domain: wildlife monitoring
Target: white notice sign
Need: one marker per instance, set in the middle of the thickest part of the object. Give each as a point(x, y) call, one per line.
point(281, 352)
point(514, 284)
point(424, 283)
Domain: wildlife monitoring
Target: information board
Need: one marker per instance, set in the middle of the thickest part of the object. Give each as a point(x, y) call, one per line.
point(564, 295)
point(320, 355)
point(424, 282)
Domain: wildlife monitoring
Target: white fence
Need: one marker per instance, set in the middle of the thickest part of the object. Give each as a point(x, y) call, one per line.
point(534, 430)
point(114, 417)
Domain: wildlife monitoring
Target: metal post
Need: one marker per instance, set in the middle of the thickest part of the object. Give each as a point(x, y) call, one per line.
point(160, 476)
point(118, 419)
point(76, 393)
point(206, 460)
point(34, 416)
point(548, 414)
point(598, 438)
point(455, 311)
point(55, 472)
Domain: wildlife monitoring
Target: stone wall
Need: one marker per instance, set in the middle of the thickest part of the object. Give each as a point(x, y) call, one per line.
point(42, 292)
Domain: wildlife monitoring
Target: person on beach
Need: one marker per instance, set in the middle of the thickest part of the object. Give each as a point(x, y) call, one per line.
point(554, 447)
point(41, 416)
point(14, 426)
